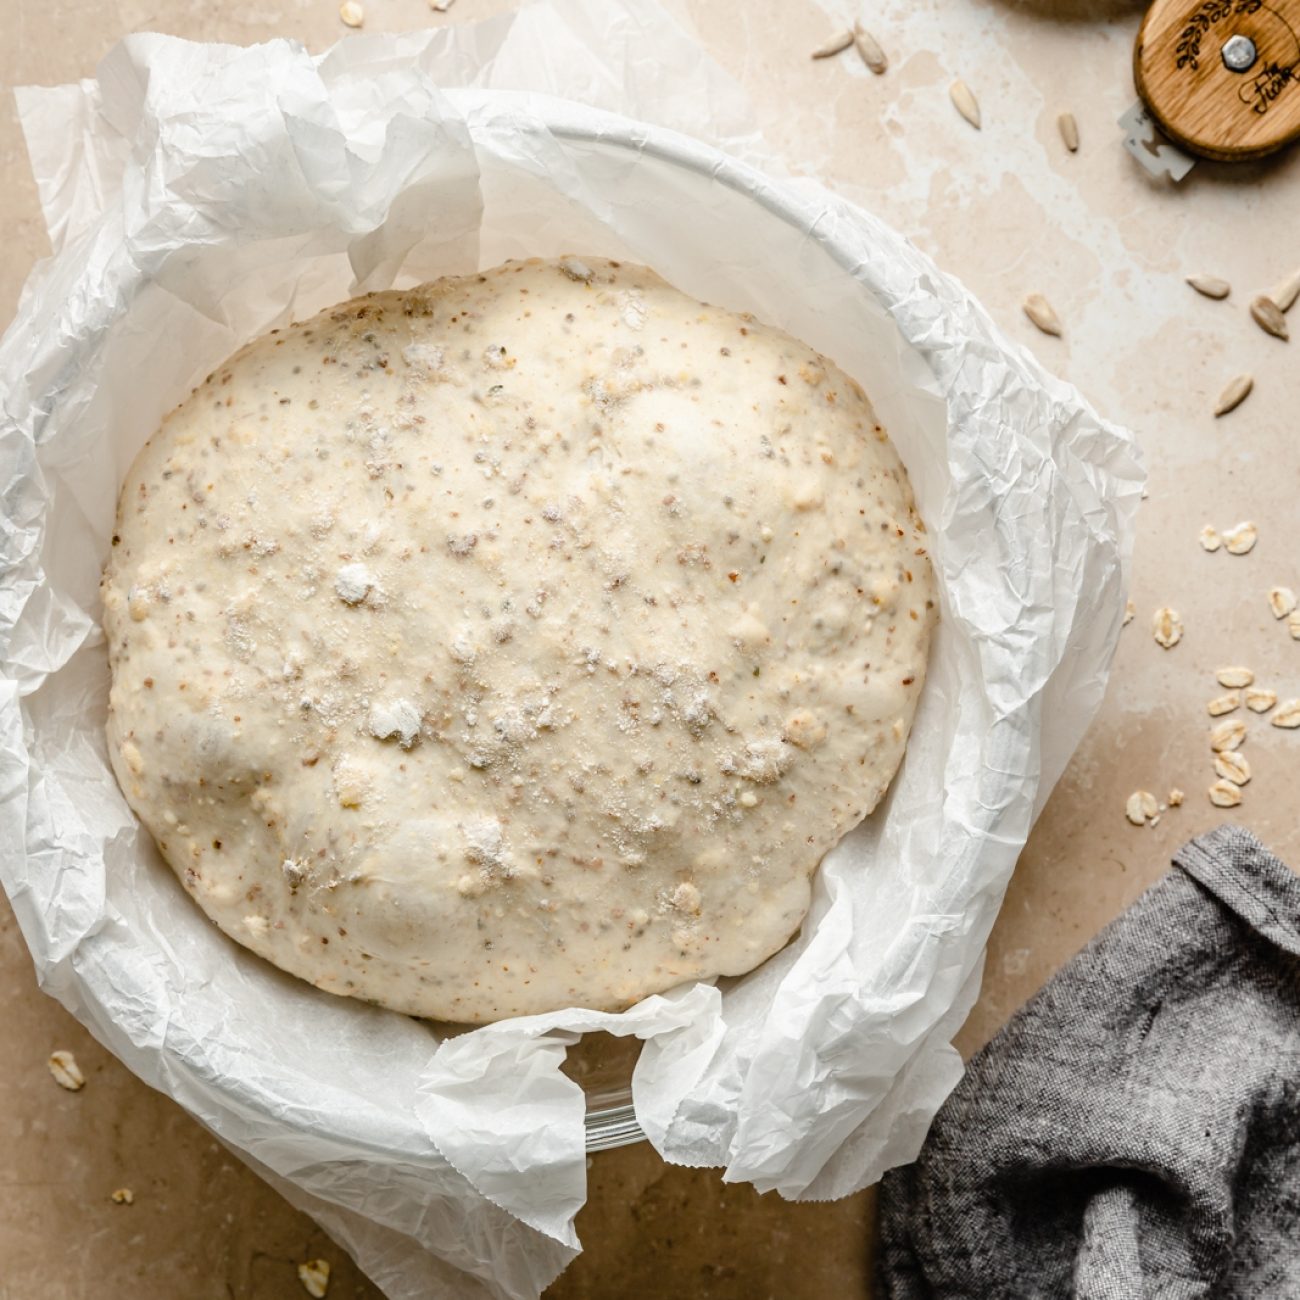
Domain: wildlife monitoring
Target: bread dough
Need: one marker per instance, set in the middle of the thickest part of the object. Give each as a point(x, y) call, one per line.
point(517, 641)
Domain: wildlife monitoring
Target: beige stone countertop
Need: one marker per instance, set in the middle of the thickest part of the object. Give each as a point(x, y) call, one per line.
point(1011, 212)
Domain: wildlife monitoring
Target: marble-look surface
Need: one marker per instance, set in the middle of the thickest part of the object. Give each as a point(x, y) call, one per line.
point(1011, 212)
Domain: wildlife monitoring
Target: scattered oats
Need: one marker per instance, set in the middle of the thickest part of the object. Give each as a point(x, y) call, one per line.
point(836, 45)
point(1241, 540)
point(67, 1073)
point(315, 1277)
point(1268, 316)
point(1069, 130)
point(1236, 392)
point(1167, 627)
point(1234, 677)
point(869, 49)
point(1232, 766)
point(1130, 612)
point(1223, 794)
point(1260, 700)
point(1222, 704)
point(1141, 807)
point(1039, 310)
point(1293, 624)
point(1281, 600)
point(1210, 538)
point(1287, 715)
point(1176, 797)
point(1227, 735)
point(124, 1196)
point(1287, 291)
point(1210, 285)
point(965, 102)
point(352, 13)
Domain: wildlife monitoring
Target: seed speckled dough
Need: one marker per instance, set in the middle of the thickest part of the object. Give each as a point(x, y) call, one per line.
point(518, 641)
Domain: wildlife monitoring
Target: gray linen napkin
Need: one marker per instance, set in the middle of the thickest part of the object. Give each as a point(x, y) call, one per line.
point(1134, 1131)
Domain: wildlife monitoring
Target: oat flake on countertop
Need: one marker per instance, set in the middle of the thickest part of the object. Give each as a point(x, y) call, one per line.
point(1141, 807)
point(1222, 704)
point(1224, 794)
point(561, 610)
point(1281, 600)
point(1234, 677)
point(1176, 797)
point(1167, 627)
point(1232, 765)
point(67, 1073)
point(1227, 735)
point(123, 1196)
point(1259, 700)
point(1287, 715)
point(1241, 539)
point(314, 1275)
point(1210, 538)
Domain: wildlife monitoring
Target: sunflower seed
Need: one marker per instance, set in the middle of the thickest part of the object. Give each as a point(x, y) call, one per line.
point(1293, 626)
point(1167, 627)
point(1210, 538)
point(1130, 612)
point(1268, 316)
point(1210, 285)
point(965, 103)
point(869, 49)
point(1232, 766)
point(1241, 540)
point(1141, 807)
point(315, 1277)
point(1259, 700)
point(1222, 704)
point(1235, 393)
point(67, 1073)
point(1223, 794)
point(1069, 130)
point(1234, 677)
point(836, 45)
point(1287, 291)
point(1039, 310)
point(1176, 797)
point(124, 1196)
point(1281, 600)
point(1227, 735)
point(1287, 715)
point(352, 14)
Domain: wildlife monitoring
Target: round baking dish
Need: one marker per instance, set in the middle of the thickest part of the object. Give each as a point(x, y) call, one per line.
point(202, 1063)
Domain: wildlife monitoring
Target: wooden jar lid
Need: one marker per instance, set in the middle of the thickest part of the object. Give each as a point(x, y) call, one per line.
point(1199, 101)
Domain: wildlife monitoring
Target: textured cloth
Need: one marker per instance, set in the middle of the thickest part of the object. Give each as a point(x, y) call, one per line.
point(1134, 1131)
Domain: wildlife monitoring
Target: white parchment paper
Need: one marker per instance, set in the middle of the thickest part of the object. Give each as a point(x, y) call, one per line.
point(199, 195)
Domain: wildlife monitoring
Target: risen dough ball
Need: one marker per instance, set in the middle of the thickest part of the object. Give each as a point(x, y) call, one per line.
point(517, 641)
